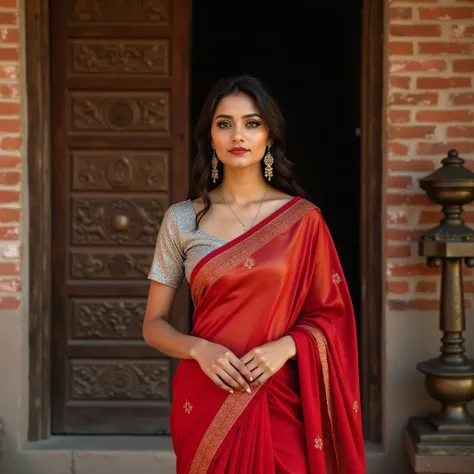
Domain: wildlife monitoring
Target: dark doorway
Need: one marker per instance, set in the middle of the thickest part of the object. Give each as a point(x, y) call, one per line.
point(309, 56)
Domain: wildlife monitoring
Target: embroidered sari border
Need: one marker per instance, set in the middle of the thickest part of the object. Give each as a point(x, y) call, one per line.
point(321, 344)
point(240, 250)
point(228, 413)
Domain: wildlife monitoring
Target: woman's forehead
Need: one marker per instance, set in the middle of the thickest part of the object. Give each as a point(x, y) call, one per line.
point(237, 104)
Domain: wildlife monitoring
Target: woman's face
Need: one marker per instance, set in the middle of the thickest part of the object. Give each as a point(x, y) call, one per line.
point(239, 133)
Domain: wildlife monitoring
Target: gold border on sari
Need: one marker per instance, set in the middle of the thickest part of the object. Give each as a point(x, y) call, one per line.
point(228, 413)
point(240, 252)
point(323, 358)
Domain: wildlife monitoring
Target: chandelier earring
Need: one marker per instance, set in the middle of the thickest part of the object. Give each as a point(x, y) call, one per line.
point(214, 163)
point(268, 161)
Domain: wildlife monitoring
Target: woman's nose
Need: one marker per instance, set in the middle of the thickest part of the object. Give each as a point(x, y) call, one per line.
point(237, 135)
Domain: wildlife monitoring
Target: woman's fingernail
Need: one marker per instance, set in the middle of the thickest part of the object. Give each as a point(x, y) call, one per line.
point(231, 391)
point(251, 378)
point(248, 390)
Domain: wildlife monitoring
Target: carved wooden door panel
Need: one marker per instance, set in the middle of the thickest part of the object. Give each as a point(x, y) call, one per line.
point(120, 158)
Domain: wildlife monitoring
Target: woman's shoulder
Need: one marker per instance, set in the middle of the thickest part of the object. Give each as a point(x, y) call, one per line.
point(309, 205)
point(180, 213)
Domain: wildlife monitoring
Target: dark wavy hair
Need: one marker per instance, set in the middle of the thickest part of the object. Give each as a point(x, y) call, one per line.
point(283, 176)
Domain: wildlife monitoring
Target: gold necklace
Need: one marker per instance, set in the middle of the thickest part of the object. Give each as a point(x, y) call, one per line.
point(233, 212)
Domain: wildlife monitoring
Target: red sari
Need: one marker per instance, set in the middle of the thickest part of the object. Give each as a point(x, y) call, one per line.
point(282, 277)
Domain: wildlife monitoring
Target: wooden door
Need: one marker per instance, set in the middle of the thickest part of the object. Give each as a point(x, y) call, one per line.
point(120, 158)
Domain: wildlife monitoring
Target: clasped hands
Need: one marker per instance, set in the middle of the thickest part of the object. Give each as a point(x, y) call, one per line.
point(232, 374)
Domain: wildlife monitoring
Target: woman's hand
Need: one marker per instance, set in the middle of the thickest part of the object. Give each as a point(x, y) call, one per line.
point(268, 359)
point(223, 367)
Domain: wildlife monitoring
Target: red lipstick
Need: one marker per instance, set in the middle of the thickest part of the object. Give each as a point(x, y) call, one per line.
point(238, 150)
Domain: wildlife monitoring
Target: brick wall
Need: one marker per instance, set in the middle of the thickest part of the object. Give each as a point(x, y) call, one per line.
point(429, 111)
point(10, 156)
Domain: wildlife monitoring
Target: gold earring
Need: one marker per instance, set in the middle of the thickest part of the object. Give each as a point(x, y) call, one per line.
point(215, 171)
point(268, 160)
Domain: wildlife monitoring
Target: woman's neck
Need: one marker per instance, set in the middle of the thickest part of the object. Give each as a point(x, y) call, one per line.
point(243, 186)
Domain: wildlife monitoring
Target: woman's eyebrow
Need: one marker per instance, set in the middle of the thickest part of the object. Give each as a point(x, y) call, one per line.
point(243, 116)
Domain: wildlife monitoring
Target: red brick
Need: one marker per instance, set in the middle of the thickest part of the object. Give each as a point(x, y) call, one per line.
point(462, 98)
point(415, 30)
point(9, 215)
point(10, 126)
point(445, 116)
point(397, 149)
point(468, 286)
point(11, 143)
point(411, 131)
point(11, 72)
point(402, 235)
point(10, 161)
point(400, 49)
point(7, 196)
point(446, 13)
point(9, 35)
point(426, 287)
point(9, 54)
point(395, 217)
point(9, 233)
point(463, 65)
point(10, 178)
point(432, 65)
point(446, 48)
point(442, 82)
point(399, 251)
point(9, 108)
point(460, 132)
point(411, 165)
point(421, 98)
point(413, 305)
point(430, 217)
point(9, 91)
point(9, 268)
point(399, 116)
point(404, 182)
point(400, 82)
point(439, 148)
point(9, 3)
point(413, 269)
point(397, 287)
point(9, 302)
point(402, 13)
point(408, 200)
point(462, 31)
point(13, 286)
point(8, 18)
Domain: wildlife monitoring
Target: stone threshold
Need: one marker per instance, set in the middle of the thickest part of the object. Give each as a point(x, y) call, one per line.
point(115, 455)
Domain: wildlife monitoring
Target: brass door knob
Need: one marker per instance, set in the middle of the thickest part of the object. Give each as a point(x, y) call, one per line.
point(121, 222)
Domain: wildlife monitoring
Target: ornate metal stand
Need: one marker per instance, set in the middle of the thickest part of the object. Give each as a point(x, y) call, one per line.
point(450, 377)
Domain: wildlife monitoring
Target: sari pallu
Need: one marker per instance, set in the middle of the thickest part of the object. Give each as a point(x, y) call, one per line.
point(283, 277)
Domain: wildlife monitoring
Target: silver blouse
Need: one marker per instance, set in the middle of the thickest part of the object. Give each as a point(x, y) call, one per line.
point(179, 247)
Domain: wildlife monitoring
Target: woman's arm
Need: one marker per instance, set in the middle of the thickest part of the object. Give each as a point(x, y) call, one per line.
point(158, 332)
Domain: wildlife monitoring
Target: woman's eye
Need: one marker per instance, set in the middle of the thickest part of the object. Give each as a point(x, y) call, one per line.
point(253, 124)
point(223, 124)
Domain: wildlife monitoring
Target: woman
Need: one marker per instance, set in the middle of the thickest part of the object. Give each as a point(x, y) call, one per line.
point(268, 381)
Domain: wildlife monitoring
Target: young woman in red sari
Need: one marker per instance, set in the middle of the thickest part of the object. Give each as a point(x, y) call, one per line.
point(268, 380)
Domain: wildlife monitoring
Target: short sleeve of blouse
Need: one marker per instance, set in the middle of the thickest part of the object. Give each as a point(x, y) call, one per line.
point(168, 261)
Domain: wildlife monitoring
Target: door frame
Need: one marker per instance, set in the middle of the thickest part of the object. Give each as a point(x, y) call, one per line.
point(38, 62)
